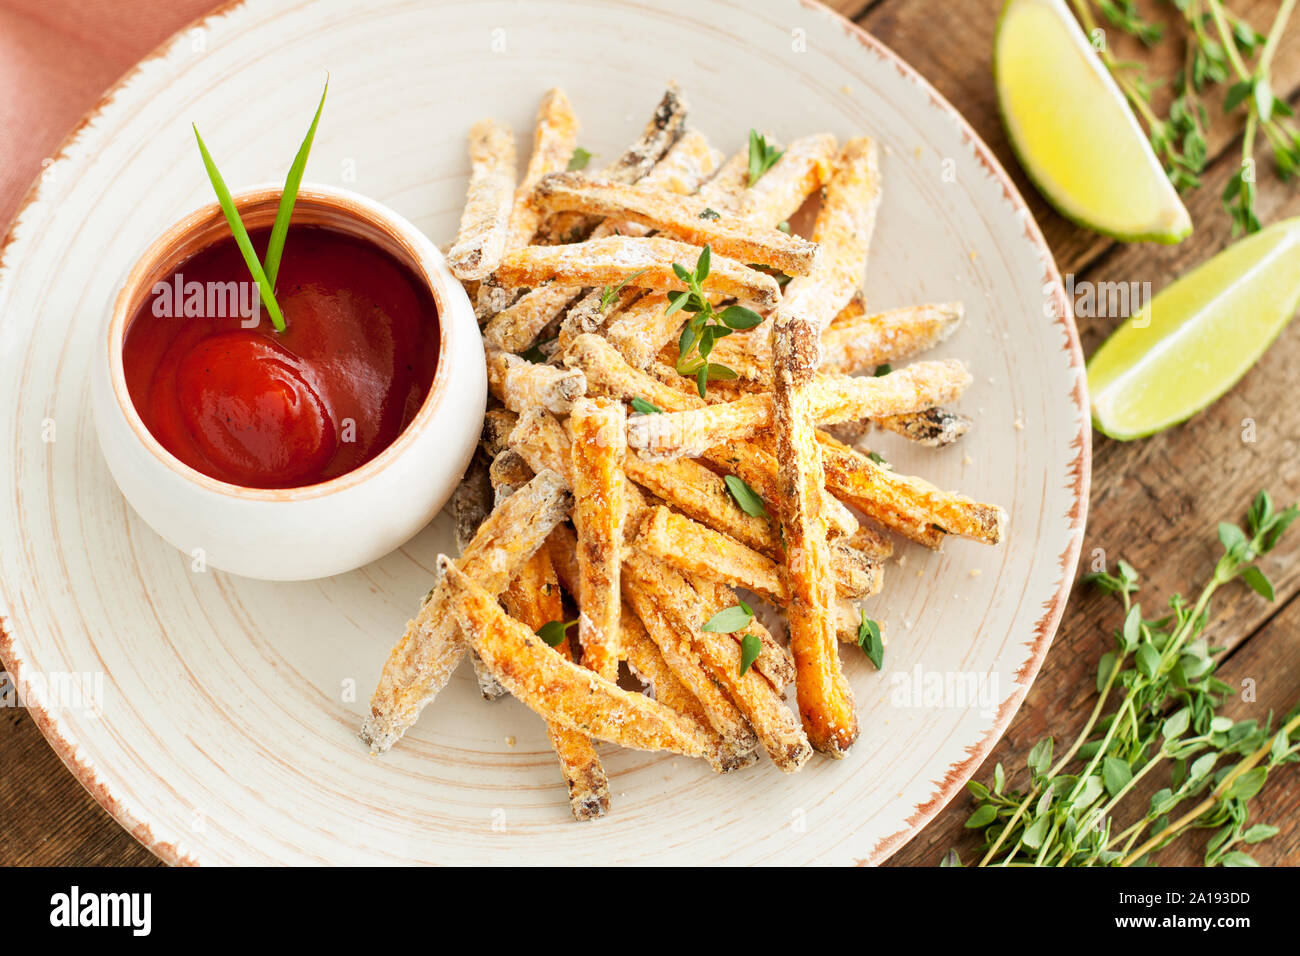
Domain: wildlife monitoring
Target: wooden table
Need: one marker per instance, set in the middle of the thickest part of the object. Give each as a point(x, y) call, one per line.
point(1154, 502)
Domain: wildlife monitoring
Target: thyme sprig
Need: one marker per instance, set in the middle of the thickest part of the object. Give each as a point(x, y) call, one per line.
point(705, 325)
point(1165, 723)
point(1218, 50)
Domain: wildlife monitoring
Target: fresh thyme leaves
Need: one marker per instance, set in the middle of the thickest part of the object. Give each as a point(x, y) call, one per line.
point(762, 156)
point(784, 226)
point(878, 458)
point(264, 274)
point(1165, 727)
point(882, 370)
point(729, 619)
point(553, 632)
point(610, 292)
point(750, 647)
point(1219, 46)
point(579, 159)
point(705, 325)
point(745, 497)
point(645, 406)
point(712, 214)
point(870, 641)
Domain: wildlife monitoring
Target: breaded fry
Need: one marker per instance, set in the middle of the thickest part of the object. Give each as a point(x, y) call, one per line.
point(554, 137)
point(934, 427)
point(774, 661)
point(685, 167)
point(520, 385)
point(726, 189)
point(608, 374)
point(497, 425)
point(723, 192)
point(857, 574)
point(544, 442)
point(830, 399)
point(843, 232)
point(642, 587)
point(689, 434)
point(562, 549)
point(647, 663)
point(485, 222)
point(698, 549)
point(749, 354)
point(776, 728)
point(863, 342)
point(825, 700)
point(471, 503)
point(804, 167)
point(911, 506)
point(591, 311)
point(871, 542)
point(516, 327)
point(684, 218)
point(663, 129)
point(562, 692)
point(702, 494)
point(422, 661)
point(642, 330)
point(597, 452)
point(508, 472)
point(682, 170)
point(643, 262)
point(533, 598)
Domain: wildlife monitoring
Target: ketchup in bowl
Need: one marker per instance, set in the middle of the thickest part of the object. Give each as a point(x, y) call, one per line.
point(266, 409)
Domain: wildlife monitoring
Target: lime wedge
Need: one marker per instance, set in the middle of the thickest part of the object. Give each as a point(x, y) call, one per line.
point(1073, 132)
point(1197, 337)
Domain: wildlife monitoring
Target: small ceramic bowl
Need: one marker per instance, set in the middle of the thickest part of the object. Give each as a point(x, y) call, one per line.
point(316, 530)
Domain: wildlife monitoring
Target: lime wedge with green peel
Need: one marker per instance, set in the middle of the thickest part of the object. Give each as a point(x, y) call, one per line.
point(1074, 133)
point(1197, 337)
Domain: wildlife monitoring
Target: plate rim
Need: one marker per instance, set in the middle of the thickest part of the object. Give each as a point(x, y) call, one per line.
point(1080, 469)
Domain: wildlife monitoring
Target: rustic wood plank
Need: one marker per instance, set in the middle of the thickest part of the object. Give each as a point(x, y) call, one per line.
point(959, 62)
point(1271, 659)
point(49, 820)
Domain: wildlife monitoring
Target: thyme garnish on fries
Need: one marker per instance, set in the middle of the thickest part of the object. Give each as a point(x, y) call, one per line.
point(554, 632)
point(762, 156)
point(705, 326)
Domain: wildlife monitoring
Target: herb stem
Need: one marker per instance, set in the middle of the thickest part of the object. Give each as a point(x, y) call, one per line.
point(1228, 40)
point(1274, 37)
point(1191, 815)
point(1065, 760)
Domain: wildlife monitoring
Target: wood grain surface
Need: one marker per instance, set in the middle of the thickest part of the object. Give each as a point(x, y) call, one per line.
point(1154, 502)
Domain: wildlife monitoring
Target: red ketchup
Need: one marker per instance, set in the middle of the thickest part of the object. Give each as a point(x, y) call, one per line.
point(268, 409)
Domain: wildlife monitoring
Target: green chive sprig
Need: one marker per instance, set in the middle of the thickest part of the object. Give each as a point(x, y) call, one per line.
point(264, 274)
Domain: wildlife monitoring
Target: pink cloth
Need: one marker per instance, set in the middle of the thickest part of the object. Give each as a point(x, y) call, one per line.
point(57, 57)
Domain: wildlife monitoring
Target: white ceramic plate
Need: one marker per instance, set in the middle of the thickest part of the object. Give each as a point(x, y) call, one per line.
point(227, 708)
